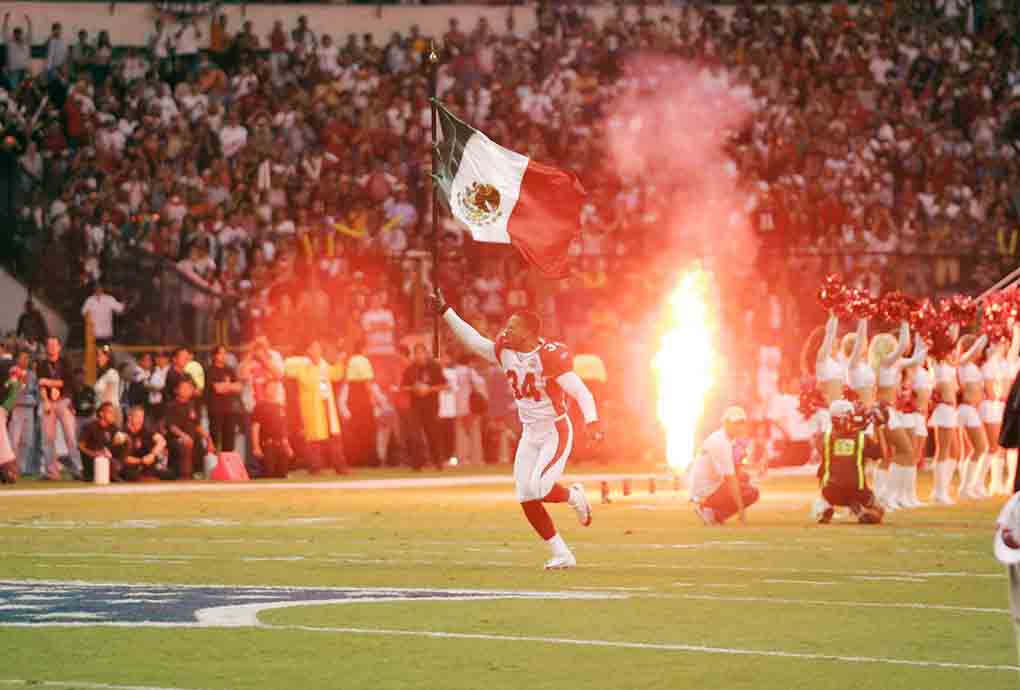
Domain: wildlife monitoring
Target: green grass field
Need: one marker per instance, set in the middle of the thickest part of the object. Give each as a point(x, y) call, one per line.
point(658, 600)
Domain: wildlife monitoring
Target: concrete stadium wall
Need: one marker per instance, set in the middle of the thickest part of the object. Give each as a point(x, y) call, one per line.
point(13, 301)
point(129, 23)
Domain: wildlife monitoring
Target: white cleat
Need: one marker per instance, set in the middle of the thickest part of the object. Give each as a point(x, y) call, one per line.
point(707, 515)
point(579, 502)
point(561, 562)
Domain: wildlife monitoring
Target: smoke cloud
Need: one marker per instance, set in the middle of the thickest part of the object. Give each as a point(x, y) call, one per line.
point(669, 127)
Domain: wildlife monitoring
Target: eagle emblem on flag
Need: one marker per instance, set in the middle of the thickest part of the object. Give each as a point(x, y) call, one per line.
point(480, 203)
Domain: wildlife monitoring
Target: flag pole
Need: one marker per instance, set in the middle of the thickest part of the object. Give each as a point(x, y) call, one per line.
point(433, 66)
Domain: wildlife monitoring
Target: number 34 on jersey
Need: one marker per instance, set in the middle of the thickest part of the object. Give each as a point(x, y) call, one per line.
point(532, 379)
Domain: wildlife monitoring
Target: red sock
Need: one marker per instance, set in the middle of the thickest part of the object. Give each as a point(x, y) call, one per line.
point(539, 519)
point(557, 495)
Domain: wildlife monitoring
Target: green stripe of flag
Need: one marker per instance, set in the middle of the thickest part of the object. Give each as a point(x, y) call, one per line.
point(451, 149)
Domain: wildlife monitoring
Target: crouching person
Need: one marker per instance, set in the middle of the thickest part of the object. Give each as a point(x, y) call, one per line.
point(719, 488)
point(141, 451)
point(841, 474)
point(187, 440)
point(98, 441)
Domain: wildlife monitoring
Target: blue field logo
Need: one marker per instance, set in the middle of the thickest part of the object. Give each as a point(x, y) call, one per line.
point(36, 603)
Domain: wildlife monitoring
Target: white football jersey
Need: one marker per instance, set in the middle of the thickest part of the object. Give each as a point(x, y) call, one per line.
point(532, 379)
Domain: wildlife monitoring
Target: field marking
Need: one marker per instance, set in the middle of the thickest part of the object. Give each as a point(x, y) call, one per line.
point(657, 646)
point(276, 487)
point(78, 685)
point(826, 602)
point(813, 583)
point(879, 575)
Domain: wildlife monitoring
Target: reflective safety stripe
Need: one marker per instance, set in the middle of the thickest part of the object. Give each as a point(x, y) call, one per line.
point(826, 445)
point(860, 460)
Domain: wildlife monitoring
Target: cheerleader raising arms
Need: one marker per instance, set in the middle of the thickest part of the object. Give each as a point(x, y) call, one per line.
point(885, 355)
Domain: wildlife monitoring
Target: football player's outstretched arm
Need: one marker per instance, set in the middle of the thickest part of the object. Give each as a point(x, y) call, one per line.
point(465, 332)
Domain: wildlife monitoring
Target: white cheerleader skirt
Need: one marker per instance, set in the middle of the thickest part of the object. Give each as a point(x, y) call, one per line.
point(992, 411)
point(944, 417)
point(969, 416)
point(899, 420)
point(920, 425)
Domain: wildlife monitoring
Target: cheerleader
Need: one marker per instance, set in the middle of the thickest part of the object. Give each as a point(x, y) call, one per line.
point(944, 417)
point(830, 374)
point(995, 372)
point(975, 465)
point(922, 383)
point(886, 355)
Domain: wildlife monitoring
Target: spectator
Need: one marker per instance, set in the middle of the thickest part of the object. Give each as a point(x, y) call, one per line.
point(84, 402)
point(472, 403)
point(56, 50)
point(100, 308)
point(378, 325)
point(424, 379)
point(320, 418)
point(269, 433)
point(223, 400)
point(260, 366)
point(177, 371)
point(56, 388)
point(187, 440)
point(142, 451)
point(19, 51)
point(448, 412)
point(97, 441)
point(24, 417)
point(156, 386)
point(107, 385)
point(361, 401)
point(31, 324)
point(11, 382)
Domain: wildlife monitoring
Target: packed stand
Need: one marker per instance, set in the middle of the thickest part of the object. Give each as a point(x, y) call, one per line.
point(284, 177)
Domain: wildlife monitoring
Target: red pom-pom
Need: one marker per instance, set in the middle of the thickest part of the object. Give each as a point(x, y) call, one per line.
point(832, 294)
point(959, 309)
point(999, 313)
point(811, 399)
point(851, 395)
point(896, 306)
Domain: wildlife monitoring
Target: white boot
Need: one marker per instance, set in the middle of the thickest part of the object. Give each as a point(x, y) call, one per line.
point(977, 488)
point(912, 500)
point(944, 472)
point(882, 487)
point(894, 494)
point(901, 484)
point(965, 467)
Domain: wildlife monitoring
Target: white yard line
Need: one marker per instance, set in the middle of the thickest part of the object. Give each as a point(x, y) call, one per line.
point(826, 602)
point(277, 487)
point(657, 646)
point(77, 685)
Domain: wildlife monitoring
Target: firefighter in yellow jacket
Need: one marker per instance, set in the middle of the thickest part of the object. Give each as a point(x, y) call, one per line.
point(320, 419)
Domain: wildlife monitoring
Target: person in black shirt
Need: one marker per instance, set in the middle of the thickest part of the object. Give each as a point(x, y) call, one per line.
point(142, 449)
point(269, 441)
point(176, 373)
point(223, 399)
point(31, 324)
point(56, 387)
point(98, 441)
point(424, 379)
point(186, 438)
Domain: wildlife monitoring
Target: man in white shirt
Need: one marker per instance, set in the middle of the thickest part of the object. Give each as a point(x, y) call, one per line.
point(378, 324)
point(716, 487)
point(101, 307)
point(233, 137)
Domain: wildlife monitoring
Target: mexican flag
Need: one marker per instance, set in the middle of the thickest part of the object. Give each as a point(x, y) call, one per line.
point(505, 197)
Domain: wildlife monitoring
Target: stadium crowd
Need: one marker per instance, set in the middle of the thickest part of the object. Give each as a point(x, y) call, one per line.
point(231, 185)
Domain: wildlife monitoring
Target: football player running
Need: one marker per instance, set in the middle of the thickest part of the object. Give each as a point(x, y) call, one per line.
point(540, 375)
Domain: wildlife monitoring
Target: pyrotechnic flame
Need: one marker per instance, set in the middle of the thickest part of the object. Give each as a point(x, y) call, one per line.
point(685, 365)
